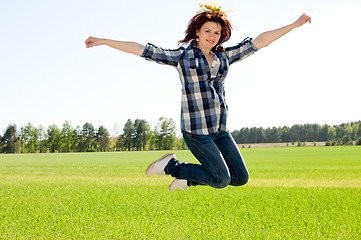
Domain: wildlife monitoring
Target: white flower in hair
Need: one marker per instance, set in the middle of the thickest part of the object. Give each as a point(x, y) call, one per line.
point(212, 6)
point(202, 10)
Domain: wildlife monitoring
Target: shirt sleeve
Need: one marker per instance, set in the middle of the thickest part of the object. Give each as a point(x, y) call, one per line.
point(242, 50)
point(162, 56)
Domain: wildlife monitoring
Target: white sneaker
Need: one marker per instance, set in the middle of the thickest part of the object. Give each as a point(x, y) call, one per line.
point(178, 184)
point(158, 166)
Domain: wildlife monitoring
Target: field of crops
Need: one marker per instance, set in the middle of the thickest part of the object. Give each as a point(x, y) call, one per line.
point(293, 193)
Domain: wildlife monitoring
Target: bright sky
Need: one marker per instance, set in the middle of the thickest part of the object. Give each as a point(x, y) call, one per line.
point(47, 76)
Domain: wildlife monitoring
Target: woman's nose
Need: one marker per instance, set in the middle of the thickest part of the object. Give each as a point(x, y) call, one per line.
point(212, 35)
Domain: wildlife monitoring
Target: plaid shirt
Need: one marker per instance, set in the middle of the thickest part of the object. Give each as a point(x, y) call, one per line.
point(204, 109)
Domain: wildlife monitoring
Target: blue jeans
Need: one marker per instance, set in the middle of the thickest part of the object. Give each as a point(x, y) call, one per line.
point(221, 161)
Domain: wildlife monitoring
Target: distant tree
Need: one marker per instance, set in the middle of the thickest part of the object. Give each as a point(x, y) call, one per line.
point(9, 140)
point(53, 138)
point(273, 135)
point(346, 140)
point(102, 137)
point(313, 132)
point(165, 132)
point(31, 138)
point(241, 136)
point(252, 137)
point(88, 137)
point(67, 136)
point(236, 135)
point(262, 135)
point(2, 144)
point(77, 137)
point(340, 131)
point(323, 133)
point(355, 129)
point(359, 129)
point(180, 143)
point(331, 133)
point(128, 134)
point(141, 133)
point(42, 139)
point(152, 140)
point(294, 133)
point(120, 143)
point(348, 131)
point(285, 134)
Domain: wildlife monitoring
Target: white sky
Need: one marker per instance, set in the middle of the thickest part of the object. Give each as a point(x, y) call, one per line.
point(47, 76)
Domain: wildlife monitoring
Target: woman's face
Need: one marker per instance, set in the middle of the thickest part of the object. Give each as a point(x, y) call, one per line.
point(209, 35)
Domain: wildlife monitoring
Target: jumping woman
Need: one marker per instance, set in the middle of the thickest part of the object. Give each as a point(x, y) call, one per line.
point(202, 63)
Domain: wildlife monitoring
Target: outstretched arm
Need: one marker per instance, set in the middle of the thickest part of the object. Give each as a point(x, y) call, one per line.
point(129, 47)
point(266, 38)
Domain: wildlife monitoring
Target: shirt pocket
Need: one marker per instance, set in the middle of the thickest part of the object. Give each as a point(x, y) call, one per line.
point(193, 63)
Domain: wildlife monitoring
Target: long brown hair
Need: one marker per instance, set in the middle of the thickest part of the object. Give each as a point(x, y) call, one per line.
point(210, 16)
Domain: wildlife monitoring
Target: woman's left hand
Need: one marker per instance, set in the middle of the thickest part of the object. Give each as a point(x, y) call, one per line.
point(302, 20)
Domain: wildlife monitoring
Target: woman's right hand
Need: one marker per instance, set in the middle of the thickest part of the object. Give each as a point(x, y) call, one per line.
point(93, 41)
point(129, 47)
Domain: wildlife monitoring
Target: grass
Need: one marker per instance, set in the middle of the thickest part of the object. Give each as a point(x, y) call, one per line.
point(293, 193)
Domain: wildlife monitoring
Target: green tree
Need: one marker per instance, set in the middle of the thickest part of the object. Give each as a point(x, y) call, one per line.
point(331, 135)
point(9, 140)
point(76, 135)
point(141, 134)
point(285, 134)
point(252, 137)
point(273, 135)
point(2, 144)
point(53, 138)
point(355, 129)
point(323, 133)
point(243, 136)
point(312, 132)
point(166, 133)
point(359, 129)
point(88, 137)
point(339, 131)
point(348, 131)
point(128, 134)
point(346, 140)
point(102, 139)
point(120, 143)
point(42, 138)
point(67, 136)
point(180, 143)
point(262, 136)
point(31, 138)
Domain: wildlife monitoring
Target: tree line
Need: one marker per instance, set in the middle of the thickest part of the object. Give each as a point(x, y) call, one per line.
point(137, 135)
point(343, 134)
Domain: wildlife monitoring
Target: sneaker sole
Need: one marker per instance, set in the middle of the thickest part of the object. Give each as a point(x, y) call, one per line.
point(150, 166)
point(171, 189)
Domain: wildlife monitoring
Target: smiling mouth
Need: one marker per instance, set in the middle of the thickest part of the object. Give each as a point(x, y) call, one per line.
point(210, 42)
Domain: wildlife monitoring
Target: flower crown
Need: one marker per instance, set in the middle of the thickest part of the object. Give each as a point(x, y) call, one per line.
point(208, 7)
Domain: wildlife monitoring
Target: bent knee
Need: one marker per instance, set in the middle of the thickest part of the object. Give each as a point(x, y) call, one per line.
point(222, 182)
point(241, 181)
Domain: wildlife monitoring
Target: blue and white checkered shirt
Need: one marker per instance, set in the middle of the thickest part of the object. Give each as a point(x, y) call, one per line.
point(204, 109)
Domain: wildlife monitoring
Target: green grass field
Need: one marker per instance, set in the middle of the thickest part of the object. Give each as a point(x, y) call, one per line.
point(293, 193)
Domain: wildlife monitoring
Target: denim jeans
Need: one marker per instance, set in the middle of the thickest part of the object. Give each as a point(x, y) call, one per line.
point(221, 161)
